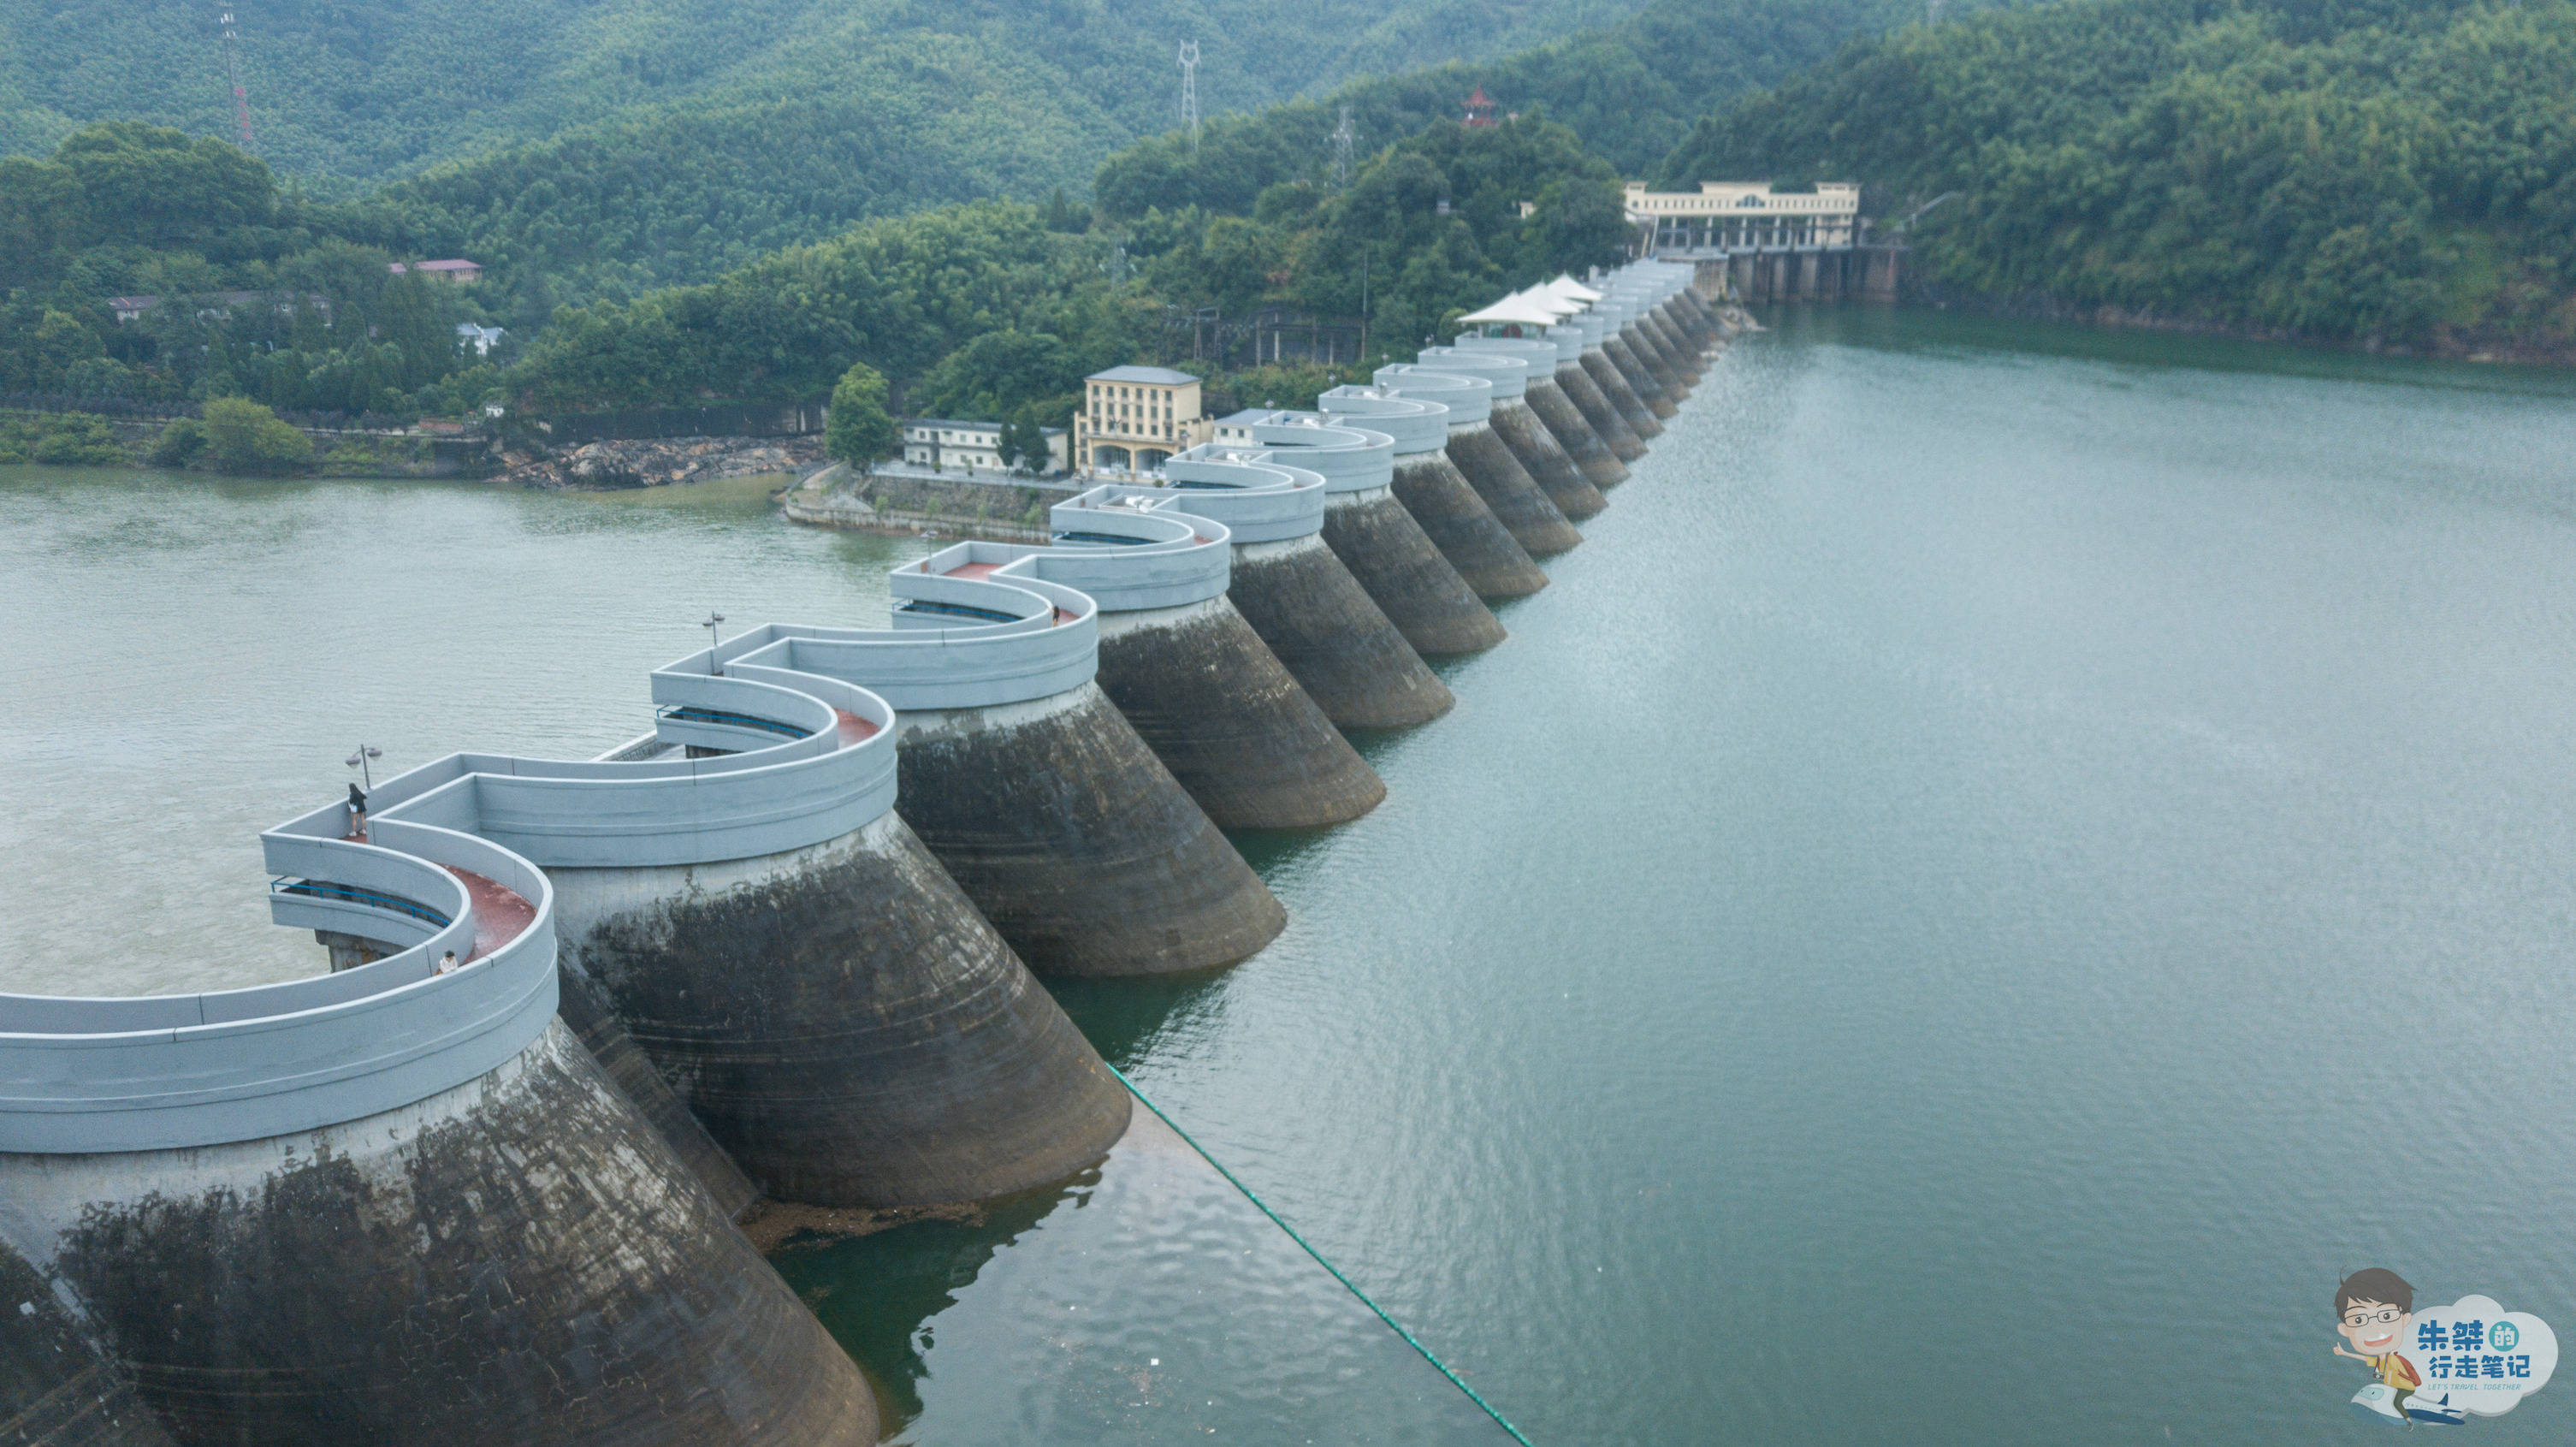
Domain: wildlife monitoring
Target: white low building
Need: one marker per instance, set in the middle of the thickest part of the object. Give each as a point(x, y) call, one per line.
point(946, 442)
point(1237, 429)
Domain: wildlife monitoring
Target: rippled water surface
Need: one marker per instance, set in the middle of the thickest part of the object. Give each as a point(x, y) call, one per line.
point(2008, 861)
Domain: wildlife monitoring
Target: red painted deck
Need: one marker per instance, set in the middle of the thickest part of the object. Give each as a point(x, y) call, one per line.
point(500, 914)
point(852, 728)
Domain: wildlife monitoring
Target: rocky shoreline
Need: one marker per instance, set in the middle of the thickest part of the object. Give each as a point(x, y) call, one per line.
point(1007, 510)
point(658, 462)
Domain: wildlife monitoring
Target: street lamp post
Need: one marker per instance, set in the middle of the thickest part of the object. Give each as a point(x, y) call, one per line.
point(357, 795)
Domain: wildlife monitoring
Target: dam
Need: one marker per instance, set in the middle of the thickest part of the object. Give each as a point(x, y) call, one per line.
point(1945, 704)
point(783, 946)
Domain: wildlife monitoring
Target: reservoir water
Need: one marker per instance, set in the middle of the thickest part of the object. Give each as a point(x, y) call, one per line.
point(2009, 861)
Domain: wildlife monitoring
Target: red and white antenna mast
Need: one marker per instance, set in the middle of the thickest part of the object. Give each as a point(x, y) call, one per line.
point(232, 67)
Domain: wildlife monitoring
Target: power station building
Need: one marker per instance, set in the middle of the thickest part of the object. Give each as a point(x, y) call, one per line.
point(1744, 216)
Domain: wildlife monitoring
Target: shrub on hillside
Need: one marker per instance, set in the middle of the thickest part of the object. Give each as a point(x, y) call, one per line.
point(180, 443)
point(244, 437)
point(68, 439)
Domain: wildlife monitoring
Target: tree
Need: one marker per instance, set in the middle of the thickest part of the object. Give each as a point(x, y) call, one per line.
point(1024, 442)
point(1236, 261)
point(1009, 447)
point(244, 437)
point(1579, 225)
point(860, 429)
point(59, 346)
point(42, 215)
point(180, 443)
point(153, 185)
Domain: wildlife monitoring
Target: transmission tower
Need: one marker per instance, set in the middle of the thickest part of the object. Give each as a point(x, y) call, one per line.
point(232, 68)
point(1190, 90)
point(1342, 138)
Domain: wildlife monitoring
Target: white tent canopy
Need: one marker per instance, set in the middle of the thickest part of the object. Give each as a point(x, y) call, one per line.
point(1514, 310)
point(1572, 290)
point(1540, 296)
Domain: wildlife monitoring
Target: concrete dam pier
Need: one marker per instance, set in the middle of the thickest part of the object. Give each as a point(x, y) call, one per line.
point(1516, 424)
point(1548, 355)
point(1029, 785)
point(1612, 381)
point(1450, 509)
point(1650, 340)
point(1579, 381)
point(1305, 602)
point(1199, 686)
point(739, 892)
point(59, 1385)
point(1386, 550)
point(1483, 457)
point(1622, 348)
point(387, 1204)
point(480, 1181)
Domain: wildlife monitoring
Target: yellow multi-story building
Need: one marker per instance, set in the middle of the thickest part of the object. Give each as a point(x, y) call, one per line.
point(1134, 418)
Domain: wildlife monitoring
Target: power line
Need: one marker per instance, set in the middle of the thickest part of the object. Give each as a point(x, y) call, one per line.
point(232, 68)
point(1190, 90)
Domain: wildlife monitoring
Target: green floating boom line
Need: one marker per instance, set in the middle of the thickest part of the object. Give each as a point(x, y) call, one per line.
point(1347, 1284)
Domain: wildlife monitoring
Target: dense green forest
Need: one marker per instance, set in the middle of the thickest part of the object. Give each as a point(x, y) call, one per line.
point(684, 194)
point(1631, 90)
point(999, 309)
point(2367, 170)
point(584, 150)
point(1021, 91)
point(613, 149)
point(257, 292)
point(1430, 226)
point(267, 293)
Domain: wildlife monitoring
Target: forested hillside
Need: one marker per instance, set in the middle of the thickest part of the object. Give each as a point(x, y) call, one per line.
point(990, 309)
point(682, 194)
point(228, 286)
point(255, 291)
point(2360, 170)
point(360, 90)
point(707, 192)
point(1631, 90)
point(583, 150)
